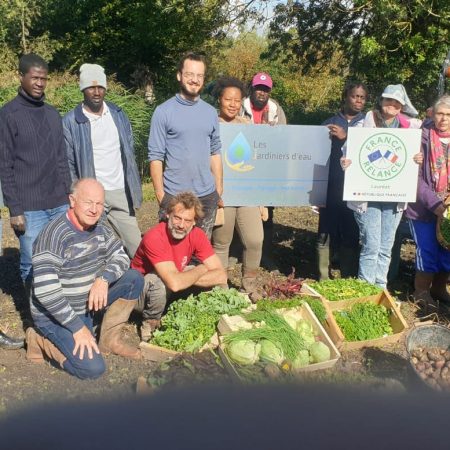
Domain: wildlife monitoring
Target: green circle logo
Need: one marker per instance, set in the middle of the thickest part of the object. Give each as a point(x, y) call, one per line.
point(382, 156)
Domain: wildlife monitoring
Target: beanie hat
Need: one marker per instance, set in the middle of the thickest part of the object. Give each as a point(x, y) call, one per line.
point(92, 75)
point(262, 79)
point(398, 92)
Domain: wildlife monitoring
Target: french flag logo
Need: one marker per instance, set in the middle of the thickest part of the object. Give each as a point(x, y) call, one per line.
point(390, 156)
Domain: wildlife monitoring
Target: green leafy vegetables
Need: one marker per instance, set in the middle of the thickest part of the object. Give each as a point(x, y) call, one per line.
point(364, 321)
point(314, 303)
point(190, 323)
point(345, 289)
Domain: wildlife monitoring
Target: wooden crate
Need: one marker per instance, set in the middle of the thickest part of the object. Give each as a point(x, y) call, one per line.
point(398, 323)
point(330, 325)
point(160, 354)
point(314, 293)
point(307, 314)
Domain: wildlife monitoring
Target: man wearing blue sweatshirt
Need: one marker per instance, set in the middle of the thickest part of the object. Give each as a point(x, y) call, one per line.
point(184, 144)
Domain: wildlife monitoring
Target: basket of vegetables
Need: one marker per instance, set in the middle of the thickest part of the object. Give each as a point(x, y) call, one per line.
point(373, 321)
point(443, 227)
point(276, 343)
point(428, 348)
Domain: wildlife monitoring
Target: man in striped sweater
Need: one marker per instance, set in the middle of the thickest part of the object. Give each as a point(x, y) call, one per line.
point(80, 268)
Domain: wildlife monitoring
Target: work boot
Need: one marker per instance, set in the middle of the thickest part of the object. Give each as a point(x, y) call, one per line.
point(323, 256)
point(250, 286)
point(349, 262)
point(9, 343)
point(38, 347)
point(114, 320)
point(439, 287)
point(422, 296)
point(148, 327)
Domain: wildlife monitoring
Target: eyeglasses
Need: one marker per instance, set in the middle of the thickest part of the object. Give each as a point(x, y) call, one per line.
point(192, 76)
point(88, 204)
point(441, 115)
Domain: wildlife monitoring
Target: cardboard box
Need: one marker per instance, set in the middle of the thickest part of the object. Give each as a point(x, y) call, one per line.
point(307, 314)
point(396, 319)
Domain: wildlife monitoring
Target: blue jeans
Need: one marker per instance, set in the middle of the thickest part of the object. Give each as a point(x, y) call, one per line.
point(377, 227)
point(35, 221)
point(128, 287)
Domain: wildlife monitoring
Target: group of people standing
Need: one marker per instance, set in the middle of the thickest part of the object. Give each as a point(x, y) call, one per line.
point(362, 234)
point(72, 188)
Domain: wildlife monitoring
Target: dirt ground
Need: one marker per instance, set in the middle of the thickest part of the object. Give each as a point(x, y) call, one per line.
point(23, 384)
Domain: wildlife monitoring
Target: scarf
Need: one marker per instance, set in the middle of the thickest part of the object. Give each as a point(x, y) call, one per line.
point(439, 159)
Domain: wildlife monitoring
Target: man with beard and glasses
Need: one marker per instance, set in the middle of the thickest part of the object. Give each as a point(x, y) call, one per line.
point(100, 144)
point(164, 255)
point(184, 144)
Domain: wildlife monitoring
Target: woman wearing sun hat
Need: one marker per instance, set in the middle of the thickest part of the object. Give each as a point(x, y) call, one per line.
point(378, 221)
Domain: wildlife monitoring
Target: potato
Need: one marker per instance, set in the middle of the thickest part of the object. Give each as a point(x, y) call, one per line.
point(420, 366)
point(439, 364)
point(414, 360)
point(433, 355)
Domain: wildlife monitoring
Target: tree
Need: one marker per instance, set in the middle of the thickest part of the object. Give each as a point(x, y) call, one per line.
point(385, 41)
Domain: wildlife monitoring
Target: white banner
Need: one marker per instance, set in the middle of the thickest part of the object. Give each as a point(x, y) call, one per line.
point(382, 167)
point(283, 165)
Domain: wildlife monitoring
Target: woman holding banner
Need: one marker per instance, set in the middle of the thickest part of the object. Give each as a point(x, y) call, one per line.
point(378, 221)
point(246, 219)
point(432, 260)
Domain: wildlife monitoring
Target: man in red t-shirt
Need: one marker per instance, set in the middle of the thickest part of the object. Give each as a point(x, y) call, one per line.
point(164, 254)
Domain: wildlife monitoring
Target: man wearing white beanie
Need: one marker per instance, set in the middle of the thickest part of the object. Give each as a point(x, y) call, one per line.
point(100, 145)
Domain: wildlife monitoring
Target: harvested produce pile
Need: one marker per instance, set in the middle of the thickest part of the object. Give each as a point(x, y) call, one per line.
point(281, 287)
point(345, 289)
point(189, 324)
point(364, 321)
point(433, 366)
point(315, 304)
point(279, 340)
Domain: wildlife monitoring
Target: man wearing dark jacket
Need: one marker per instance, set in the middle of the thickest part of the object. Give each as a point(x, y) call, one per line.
point(100, 145)
point(33, 161)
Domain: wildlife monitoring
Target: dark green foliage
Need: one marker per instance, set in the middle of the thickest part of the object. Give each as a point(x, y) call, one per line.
point(384, 42)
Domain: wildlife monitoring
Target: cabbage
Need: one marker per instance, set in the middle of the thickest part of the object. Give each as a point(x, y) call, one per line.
point(291, 317)
point(319, 352)
point(304, 325)
point(270, 352)
point(243, 352)
point(307, 337)
point(302, 360)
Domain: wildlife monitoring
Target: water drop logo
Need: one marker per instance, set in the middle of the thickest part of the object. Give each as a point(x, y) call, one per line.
point(238, 154)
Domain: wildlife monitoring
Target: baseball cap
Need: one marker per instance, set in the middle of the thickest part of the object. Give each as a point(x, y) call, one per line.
point(262, 79)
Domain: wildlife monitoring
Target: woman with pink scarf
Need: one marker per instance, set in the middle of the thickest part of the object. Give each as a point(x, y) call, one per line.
point(432, 260)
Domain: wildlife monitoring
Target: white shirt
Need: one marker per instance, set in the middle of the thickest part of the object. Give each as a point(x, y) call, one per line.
point(106, 149)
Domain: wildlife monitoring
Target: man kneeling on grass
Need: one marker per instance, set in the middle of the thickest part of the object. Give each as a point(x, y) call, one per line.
point(164, 256)
point(80, 268)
